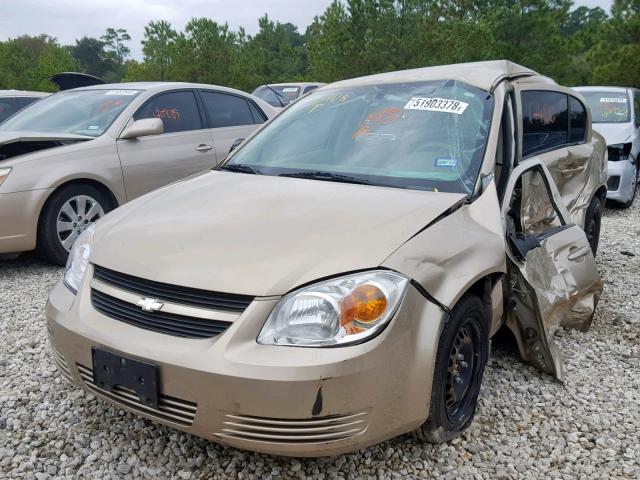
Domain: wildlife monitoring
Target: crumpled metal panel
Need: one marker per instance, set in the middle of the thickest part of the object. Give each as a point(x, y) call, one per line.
point(537, 212)
point(545, 296)
point(579, 175)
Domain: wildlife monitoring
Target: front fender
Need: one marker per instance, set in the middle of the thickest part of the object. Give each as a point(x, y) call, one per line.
point(448, 257)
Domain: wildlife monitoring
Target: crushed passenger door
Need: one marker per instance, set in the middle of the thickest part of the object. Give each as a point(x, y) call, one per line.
point(552, 276)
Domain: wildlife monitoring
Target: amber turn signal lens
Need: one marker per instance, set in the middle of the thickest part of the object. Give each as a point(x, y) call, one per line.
point(366, 304)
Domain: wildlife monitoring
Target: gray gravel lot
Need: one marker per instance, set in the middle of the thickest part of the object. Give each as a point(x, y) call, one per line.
point(527, 425)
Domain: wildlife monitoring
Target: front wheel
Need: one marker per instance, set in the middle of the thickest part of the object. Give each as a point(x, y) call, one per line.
point(463, 352)
point(66, 214)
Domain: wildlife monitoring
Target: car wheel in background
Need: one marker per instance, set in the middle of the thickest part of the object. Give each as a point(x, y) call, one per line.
point(463, 352)
point(592, 223)
point(65, 215)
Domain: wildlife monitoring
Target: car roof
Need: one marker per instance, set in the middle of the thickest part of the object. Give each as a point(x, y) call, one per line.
point(484, 75)
point(601, 89)
point(158, 86)
point(294, 84)
point(22, 93)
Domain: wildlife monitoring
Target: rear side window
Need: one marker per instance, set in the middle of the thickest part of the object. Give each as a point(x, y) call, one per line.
point(636, 107)
point(227, 110)
point(545, 121)
point(310, 88)
point(6, 108)
point(177, 110)
point(577, 121)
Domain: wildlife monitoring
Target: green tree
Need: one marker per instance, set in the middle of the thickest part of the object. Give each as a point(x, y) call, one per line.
point(157, 46)
point(114, 43)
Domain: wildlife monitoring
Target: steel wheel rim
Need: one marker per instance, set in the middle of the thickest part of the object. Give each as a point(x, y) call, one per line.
point(462, 369)
point(75, 215)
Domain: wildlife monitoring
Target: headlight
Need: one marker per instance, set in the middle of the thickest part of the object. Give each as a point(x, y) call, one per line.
point(4, 173)
point(335, 312)
point(78, 260)
point(619, 151)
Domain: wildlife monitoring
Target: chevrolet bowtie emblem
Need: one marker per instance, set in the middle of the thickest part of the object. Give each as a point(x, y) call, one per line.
point(150, 304)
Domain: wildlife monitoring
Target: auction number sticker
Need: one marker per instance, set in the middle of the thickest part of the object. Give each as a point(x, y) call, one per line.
point(613, 100)
point(435, 104)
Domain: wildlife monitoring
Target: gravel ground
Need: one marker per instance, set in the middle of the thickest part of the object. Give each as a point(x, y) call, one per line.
point(527, 425)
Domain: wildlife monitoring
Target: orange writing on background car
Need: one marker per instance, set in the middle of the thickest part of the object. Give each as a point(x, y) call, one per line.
point(170, 113)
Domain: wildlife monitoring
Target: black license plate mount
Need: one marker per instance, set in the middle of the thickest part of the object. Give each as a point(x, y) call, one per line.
point(111, 369)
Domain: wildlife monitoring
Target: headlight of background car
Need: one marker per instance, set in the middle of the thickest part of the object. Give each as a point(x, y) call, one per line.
point(335, 312)
point(4, 173)
point(78, 260)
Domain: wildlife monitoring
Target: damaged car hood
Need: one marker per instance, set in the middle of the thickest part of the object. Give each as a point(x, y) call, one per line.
point(13, 144)
point(615, 132)
point(261, 235)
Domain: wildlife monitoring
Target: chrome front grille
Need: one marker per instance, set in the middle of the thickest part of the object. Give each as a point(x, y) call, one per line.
point(173, 293)
point(170, 409)
point(61, 363)
point(277, 430)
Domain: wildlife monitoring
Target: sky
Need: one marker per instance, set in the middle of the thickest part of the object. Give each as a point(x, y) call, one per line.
point(68, 20)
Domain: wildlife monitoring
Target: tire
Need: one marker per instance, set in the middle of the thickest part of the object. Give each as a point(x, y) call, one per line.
point(450, 416)
point(50, 246)
point(592, 221)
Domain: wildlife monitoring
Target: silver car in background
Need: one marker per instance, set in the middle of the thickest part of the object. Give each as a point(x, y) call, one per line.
point(616, 116)
point(70, 158)
point(12, 101)
point(279, 95)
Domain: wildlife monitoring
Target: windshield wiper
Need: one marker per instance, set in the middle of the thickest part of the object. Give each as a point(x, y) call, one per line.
point(326, 176)
point(278, 95)
point(239, 168)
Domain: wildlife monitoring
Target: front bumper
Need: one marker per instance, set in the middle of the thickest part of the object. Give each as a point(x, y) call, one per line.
point(279, 400)
point(625, 172)
point(19, 213)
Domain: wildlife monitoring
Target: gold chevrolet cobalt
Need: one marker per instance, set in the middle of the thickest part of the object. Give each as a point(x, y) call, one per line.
point(337, 280)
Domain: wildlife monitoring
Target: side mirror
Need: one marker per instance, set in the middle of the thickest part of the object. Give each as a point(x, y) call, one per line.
point(235, 144)
point(143, 127)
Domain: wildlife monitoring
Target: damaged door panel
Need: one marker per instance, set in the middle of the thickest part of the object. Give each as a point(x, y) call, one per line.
point(552, 276)
point(556, 129)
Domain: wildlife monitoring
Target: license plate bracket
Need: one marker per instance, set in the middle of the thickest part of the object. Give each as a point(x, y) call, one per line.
point(111, 370)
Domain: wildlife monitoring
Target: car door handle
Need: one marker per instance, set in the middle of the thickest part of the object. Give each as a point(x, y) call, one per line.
point(576, 253)
point(203, 147)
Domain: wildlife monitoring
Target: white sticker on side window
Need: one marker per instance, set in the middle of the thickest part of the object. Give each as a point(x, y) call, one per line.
point(613, 100)
point(121, 92)
point(435, 104)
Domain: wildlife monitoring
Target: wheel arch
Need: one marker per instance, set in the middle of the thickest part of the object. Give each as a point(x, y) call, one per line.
point(483, 287)
point(77, 181)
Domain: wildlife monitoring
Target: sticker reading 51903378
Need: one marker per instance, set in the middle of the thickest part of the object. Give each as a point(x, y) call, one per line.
point(435, 104)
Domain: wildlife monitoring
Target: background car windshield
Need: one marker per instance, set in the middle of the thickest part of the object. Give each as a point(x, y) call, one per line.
point(277, 96)
point(608, 107)
point(84, 112)
point(426, 136)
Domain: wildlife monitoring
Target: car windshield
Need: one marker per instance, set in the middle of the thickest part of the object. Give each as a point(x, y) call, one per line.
point(277, 95)
point(423, 136)
point(83, 112)
point(608, 107)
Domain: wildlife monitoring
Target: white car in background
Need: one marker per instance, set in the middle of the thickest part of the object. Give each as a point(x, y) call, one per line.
point(615, 113)
point(13, 100)
point(279, 95)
